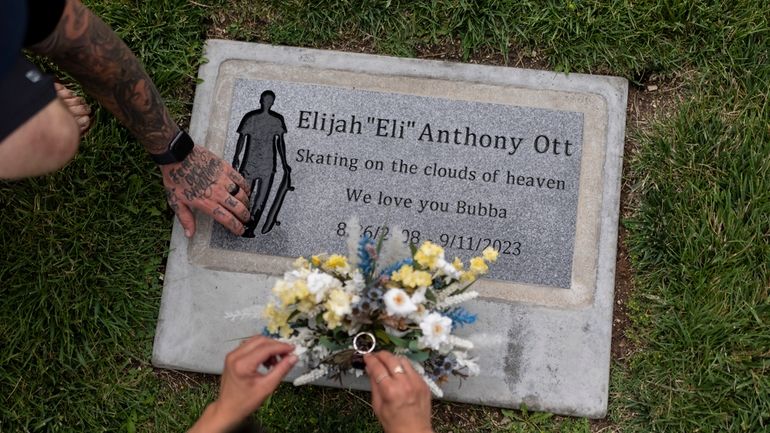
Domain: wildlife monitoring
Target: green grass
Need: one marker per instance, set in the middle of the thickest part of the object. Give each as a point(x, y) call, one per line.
point(82, 248)
point(700, 241)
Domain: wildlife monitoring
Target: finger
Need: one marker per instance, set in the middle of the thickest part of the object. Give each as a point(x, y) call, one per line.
point(224, 217)
point(237, 208)
point(238, 179)
point(250, 343)
point(186, 218)
point(242, 196)
point(376, 369)
point(392, 363)
point(247, 363)
point(409, 370)
point(279, 371)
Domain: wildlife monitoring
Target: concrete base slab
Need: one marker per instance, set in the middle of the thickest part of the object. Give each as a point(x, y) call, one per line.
point(546, 347)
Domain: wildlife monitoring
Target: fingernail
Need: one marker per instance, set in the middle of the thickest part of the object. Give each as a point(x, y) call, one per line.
point(293, 359)
point(188, 233)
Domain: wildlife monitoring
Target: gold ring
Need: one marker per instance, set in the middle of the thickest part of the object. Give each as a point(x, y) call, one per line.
point(398, 370)
point(381, 377)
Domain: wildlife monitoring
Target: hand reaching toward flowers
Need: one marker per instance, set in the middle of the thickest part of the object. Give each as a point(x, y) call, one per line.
point(244, 387)
point(400, 397)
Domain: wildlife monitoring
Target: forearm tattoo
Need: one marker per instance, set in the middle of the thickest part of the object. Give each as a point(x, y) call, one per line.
point(87, 48)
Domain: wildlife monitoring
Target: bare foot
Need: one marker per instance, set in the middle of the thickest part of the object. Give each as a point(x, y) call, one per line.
point(77, 107)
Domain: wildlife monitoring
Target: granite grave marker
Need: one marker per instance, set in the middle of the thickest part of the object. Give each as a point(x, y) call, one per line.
point(527, 162)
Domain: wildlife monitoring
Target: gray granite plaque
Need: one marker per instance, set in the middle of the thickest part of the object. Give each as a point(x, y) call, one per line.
point(326, 135)
point(464, 174)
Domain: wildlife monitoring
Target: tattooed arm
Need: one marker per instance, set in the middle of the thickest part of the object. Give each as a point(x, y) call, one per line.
point(83, 45)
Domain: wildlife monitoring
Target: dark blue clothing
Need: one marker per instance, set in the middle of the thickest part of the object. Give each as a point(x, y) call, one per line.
point(24, 90)
point(13, 27)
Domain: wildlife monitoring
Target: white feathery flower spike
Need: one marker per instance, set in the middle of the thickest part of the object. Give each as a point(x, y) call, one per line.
point(460, 342)
point(394, 248)
point(253, 312)
point(354, 236)
point(311, 376)
point(457, 299)
point(431, 384)
point(449, 291)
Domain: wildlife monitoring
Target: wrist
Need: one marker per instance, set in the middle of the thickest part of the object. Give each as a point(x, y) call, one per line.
point(177, 149)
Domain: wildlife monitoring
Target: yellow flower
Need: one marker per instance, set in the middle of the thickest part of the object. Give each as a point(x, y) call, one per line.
point(468, 277)
point(336, 261)
point(458, 264)
point(410, 278)
point(277, 320)
point(315, 260)
point(490, 254)
point(339, 302)
point(291, 293)
point(283, 291)
point(428, 255)
point(332, 320)
point(301, 263)
point(478, 265)
point(421, 279)
point(300, 289)
point(306, 305)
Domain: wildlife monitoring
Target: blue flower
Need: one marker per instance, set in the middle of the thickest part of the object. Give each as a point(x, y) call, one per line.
point(365, 257)
point(460, 317)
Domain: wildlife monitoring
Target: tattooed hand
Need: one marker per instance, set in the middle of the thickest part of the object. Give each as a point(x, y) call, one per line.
point(202, 182)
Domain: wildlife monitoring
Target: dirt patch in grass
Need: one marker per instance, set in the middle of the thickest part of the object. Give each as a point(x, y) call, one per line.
point(180, 380)
point(647, 103)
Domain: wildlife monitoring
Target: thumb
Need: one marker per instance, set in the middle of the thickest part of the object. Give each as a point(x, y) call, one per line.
point(279, 371)
point(187, 219)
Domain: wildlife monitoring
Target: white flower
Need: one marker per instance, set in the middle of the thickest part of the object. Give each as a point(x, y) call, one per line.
point(296, 274)
point(356, 283)
point(464, 362)
point(473, 368)
point(418, 297)
point(398, 303)
point(319, 283)
point(447, 268)
point(435, 330)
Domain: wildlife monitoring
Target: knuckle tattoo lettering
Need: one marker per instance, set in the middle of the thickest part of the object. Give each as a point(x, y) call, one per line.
point(197, 173)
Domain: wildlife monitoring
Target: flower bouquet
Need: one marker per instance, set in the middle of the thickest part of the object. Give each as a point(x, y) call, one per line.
point(404, 299)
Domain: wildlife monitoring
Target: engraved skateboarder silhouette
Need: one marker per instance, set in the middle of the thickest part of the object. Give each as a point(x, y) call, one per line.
point(260, 138)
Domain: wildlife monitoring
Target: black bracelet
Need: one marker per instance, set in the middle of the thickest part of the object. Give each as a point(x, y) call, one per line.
point(178, 149)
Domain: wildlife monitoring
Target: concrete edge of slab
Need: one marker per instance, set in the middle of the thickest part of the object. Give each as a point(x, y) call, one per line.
point(182, 346)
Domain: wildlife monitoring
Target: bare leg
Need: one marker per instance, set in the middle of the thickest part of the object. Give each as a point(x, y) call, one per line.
point(44, 143)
